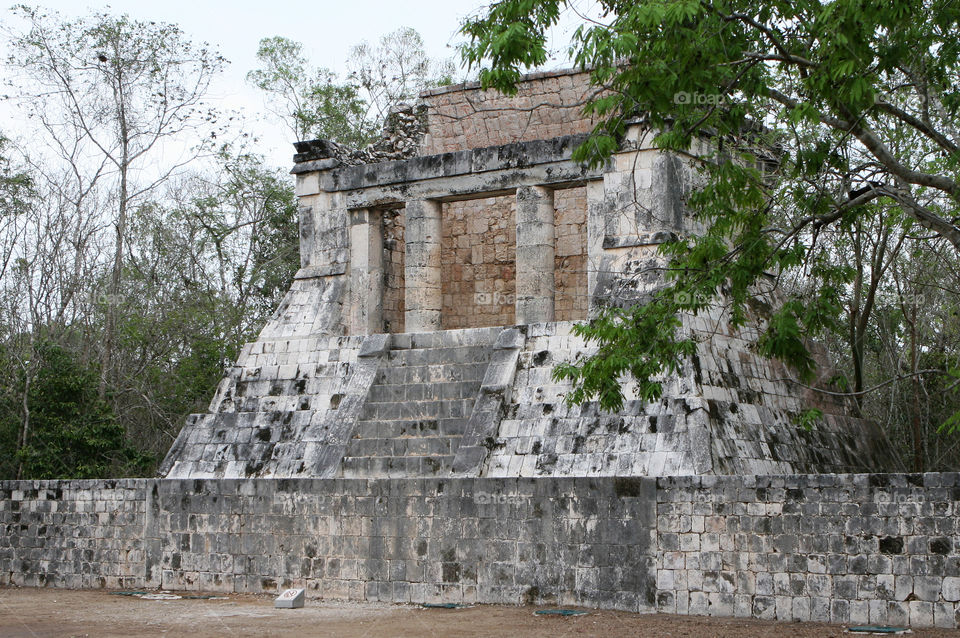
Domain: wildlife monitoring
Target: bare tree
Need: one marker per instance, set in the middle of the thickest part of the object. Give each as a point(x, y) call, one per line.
point(111, 95)
point(396, 70)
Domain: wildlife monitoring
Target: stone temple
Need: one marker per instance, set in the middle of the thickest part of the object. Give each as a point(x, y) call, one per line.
point(442, 270)
point(394, 433)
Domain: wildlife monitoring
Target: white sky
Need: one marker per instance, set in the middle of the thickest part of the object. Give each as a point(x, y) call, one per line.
point(327, 29)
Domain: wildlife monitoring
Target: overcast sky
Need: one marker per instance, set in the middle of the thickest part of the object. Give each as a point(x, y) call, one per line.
point(327, 29)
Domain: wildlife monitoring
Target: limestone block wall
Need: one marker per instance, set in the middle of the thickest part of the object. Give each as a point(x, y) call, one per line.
point(752, 407)
point(547, 105)
point(478, 253)
point(842, 548)
point(78, 534)
point(540, 435)
point(282, 409)
point(865, 548)
point(575, 541)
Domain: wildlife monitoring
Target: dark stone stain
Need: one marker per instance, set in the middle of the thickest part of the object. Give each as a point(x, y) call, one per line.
point(263, 434)
point(546, 463)
point(531, 595)
point(940, 546)
point(891, 545)
point(625, 487)
point(578, 442)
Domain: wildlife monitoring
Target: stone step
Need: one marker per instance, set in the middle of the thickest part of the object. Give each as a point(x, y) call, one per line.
point(395, 466)
point(432, 374)
point(418, 408)
point(445, 339)
point(445, 401)
point(417, 446)
point(433, 356)
point(373, 429)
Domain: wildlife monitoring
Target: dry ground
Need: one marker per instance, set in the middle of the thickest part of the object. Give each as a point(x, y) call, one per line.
point(35, 613)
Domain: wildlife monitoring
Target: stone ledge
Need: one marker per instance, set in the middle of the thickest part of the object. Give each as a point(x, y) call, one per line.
point(491, 158)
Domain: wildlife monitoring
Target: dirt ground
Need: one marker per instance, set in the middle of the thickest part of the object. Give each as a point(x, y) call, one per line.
point(35, 613)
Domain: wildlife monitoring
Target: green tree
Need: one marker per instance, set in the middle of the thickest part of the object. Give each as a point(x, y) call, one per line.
point(312, 104)
point(857, 102)
point(74, 433)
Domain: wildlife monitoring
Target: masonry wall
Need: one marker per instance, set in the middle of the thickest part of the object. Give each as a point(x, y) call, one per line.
point(861, 548)
point(852, 548)
point(478, 254)
point(547, 105)
point(76, 534)
point(571, 541)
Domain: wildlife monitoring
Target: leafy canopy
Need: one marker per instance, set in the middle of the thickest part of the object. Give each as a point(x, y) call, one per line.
point(811, 112)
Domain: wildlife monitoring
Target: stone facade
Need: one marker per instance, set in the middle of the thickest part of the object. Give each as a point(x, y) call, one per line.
point(878, 549)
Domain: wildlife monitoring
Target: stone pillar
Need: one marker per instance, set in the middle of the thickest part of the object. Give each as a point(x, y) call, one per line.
point(600, 216)
point(535, 255)
point(422, 271)
point(366, 272)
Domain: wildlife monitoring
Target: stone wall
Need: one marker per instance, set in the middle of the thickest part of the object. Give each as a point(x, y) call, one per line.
point(865, 548)
point(855, 548)
point(574, 541)
point(77, 534)
point(478, 252)
point(546, 105)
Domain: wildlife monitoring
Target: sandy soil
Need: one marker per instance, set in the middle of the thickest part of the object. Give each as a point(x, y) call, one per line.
point(35, 613)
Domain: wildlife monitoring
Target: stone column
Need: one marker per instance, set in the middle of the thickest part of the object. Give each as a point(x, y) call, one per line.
point(599, 218)
point(535, 255)
point(366, 272)
point(422, 270)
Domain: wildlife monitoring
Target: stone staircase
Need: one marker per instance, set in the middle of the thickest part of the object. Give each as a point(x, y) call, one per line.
point(419, 405)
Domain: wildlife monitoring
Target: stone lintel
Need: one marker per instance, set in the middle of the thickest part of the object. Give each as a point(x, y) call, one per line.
point(479, 160)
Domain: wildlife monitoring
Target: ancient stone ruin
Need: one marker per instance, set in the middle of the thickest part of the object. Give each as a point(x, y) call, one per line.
point(395, 434)
point(442, 269)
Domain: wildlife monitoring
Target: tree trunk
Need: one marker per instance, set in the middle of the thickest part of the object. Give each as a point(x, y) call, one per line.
point(917, 429)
